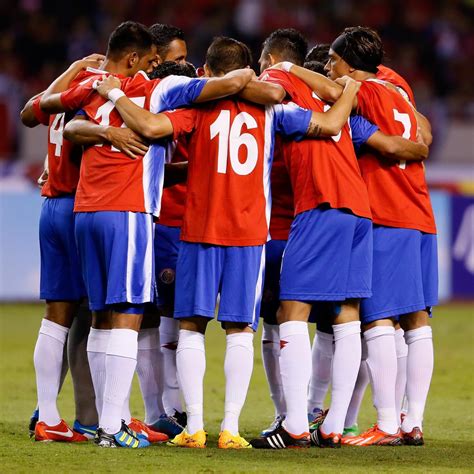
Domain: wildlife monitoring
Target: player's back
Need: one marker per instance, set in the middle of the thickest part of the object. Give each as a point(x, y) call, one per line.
point(322, 170)
point(387, 74)
point(397, 190)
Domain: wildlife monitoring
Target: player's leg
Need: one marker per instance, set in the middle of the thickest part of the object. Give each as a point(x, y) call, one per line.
point(198, 274)
point(271, 332)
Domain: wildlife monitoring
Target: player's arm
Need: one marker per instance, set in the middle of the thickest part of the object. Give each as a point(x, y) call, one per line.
point(45, 174)
point(262, 92)
point(326, 89)
point(28, 115)
point(398, 148)
point(51, 99)
point(232, 83)
point(81, 131)
point(175, 173)
point(424, 126)
point(330, 123)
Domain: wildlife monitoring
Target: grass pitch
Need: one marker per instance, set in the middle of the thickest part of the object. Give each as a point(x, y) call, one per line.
point(448, 422)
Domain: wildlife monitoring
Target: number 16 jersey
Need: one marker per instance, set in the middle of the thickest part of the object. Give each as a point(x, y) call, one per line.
point(230, 155)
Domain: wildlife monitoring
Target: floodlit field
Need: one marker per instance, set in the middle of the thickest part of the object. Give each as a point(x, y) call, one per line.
point(448, 422)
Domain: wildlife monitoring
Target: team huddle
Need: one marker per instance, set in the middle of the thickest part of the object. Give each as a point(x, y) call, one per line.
point(297, 196)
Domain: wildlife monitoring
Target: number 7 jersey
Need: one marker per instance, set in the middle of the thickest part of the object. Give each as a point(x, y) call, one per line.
point(230, 153)
point(398, 192)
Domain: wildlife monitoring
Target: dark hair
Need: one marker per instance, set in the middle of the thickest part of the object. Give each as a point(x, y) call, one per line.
point(315, 66)
point(287, 43)
point(170, 68)
point(163, 35)
point(227, 54)
point(318, 53)
point(360, 47)
point(129, 36)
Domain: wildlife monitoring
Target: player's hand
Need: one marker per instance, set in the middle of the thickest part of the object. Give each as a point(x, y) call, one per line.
point(104, 86)
point(93, 60)
point(43, 178)
point(127, 141)
point(349, 84)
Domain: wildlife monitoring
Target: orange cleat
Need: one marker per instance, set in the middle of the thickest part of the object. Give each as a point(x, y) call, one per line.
point(60, 432)
point(414, 437)
point(145, 431)
point(374, 437)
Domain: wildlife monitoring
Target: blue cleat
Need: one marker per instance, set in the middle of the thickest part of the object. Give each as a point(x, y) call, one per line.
point(125, 438)
point(87, 430)
point(33, 420)
point(169, 425)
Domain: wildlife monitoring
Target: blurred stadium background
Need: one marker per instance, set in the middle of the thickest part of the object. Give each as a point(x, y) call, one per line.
point(431, 43)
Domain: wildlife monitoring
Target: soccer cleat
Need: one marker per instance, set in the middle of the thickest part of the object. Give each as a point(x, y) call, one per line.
point(281, 439)
point(351, 431)
point(88, 431)
point(33, 421)
point(146, 432)
point(413, 438)
point(323, 440)
point(169, 425)
point(276, 424)
point(125, 438)
point(317, 420)
point(374, 437)
point(60, 432)
point(316, 413)
point(185, 440)
point(229, 441)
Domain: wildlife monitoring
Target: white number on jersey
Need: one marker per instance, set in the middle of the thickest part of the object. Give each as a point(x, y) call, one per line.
point(231, 139)
point(104, 111)
point(404, 119)
point(56, 133)
point(337, 137)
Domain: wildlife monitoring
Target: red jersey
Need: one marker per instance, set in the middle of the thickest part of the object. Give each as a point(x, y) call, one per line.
point(230, 154)
point(109, 179)
point(322, 170)
point(64, 158)
point(398, 192)
point(174, 197)
point(389, 75)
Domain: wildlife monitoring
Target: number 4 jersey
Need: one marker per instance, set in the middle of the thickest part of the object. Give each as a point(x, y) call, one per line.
point(109, 179)
point(230, 156)
point(398, 192)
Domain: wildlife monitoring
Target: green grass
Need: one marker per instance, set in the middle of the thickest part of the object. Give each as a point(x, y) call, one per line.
point(448, 422)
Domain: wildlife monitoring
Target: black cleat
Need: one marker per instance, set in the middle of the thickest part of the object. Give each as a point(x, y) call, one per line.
point(413, 438)
point(281, 439)
point(318, 438)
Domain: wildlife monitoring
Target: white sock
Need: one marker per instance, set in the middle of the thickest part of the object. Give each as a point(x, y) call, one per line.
point(238, 366)
point(295, 366)
point(126, 413)
point(401, 384)
point(419, 372)
point(345, 367)
point(322, 353)
point(271, 364)
point(149, 365)
point(120, 364)
point(191, 363)
point(359, 389)
point(97, 343)
point(382, 362)
point(48, 360)
point(169, 330)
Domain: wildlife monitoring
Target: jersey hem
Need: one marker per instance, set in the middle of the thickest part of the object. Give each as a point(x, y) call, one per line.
point(224, 242)
point(82, 208)
point(356, 212)
point(404, 225)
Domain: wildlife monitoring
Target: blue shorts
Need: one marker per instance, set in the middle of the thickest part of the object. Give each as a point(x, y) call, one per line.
point(61, 277)
point(166, 255)
point(271, 289)
point(116, 251)
point(405, 276)
point(328, 257)
point(236, 273)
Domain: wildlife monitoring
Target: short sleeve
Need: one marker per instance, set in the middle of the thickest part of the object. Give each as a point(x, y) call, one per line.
point(291, 120)
point(173, 92)
point(282, 78)
point(183, 121)
point(75, 97)
point(42, 117)
point(362, 130)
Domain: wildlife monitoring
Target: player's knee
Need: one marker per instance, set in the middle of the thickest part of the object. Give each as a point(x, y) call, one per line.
point(414, 320)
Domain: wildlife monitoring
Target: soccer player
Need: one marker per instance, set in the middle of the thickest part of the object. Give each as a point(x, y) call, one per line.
point(404, 243)
point(226, 250)
point(61, 279)
point(115, 203)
